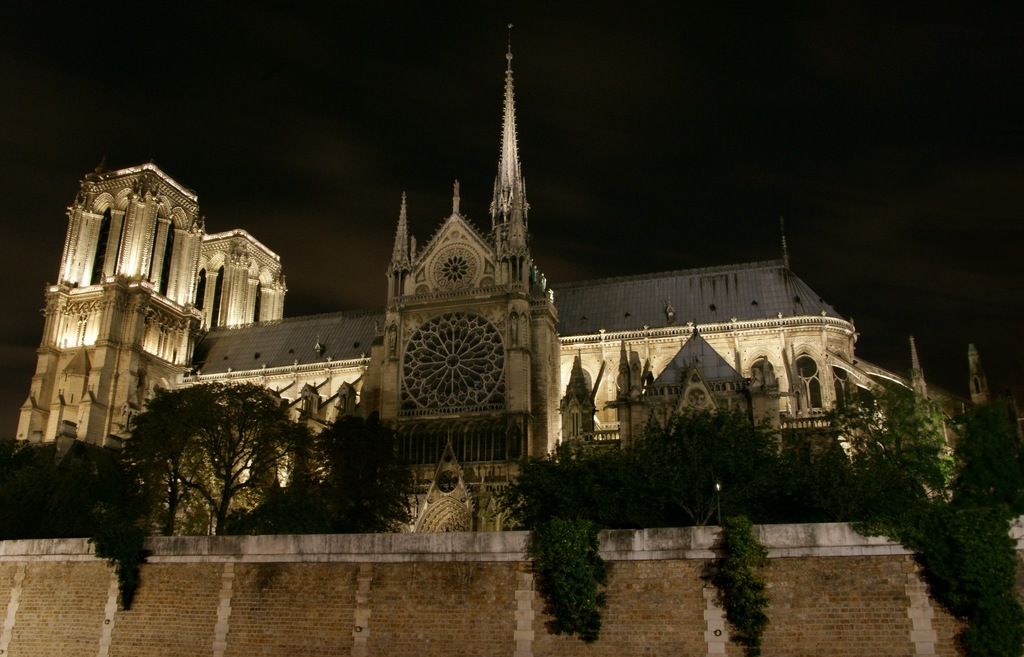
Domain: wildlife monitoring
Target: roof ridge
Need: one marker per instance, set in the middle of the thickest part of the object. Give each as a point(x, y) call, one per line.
point(299, 318)
point(763, 264)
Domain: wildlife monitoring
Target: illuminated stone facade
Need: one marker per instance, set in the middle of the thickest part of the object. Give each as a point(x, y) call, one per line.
point(475, 359)
point(124, 317)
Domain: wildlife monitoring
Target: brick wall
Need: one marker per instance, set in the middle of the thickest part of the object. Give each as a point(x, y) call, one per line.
point(833, 592)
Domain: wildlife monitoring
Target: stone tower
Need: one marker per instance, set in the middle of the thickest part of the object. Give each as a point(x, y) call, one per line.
point(466, 365)
point(239, 282)
point(120, 319)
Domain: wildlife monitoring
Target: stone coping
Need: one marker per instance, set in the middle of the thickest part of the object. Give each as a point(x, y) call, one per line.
point(798, 540)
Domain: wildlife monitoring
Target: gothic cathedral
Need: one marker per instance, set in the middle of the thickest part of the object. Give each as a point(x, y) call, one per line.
point(475, 360)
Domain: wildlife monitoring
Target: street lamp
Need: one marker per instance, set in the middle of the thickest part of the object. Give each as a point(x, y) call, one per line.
point(718, 501)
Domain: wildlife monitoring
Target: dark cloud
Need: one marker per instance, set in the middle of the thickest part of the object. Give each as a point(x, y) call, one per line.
point(652, 137)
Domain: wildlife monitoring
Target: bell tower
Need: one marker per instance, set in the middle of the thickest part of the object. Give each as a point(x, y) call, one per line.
point(120, 319)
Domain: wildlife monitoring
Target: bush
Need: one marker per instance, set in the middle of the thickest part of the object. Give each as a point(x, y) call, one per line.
point(569, 570)
point(742, 589)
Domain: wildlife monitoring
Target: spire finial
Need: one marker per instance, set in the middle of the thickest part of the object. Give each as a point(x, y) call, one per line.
point(455, 198)
point(785, 248)
point(509, 188)
point(400, 254)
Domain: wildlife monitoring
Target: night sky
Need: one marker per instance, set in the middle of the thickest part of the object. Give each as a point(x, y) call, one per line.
point(651, 139)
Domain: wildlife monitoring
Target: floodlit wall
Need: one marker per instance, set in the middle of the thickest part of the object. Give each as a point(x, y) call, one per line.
point(457, 594)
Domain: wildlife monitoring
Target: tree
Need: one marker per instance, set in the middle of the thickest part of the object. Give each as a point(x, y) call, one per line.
point(164, 454)
point(365, 485)
point(225, 443)
point(582, 482)
point(243, 435)
point(954, 513)
point(695, 453)
point(898, 454)
point(989, 463)
point(348, 479)
point(738, 574)
point(43, 497)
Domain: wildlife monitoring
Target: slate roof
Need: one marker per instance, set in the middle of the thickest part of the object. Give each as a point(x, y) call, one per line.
point(750, 291)
point(697, 352)
point(343, 336)
point(703, 296)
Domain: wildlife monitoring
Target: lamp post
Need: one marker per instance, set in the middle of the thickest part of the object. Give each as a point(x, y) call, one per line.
point(718, 501)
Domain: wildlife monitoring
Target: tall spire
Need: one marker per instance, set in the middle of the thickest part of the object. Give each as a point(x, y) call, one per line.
point(400, 254)
point(509, 200)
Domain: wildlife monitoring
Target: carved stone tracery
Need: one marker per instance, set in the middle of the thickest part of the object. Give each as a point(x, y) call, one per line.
point(455, 360)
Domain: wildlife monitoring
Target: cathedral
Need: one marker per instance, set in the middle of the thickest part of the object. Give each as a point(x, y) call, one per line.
point(476, 359)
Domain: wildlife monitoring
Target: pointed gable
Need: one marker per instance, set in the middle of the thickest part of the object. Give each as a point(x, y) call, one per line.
point(697, 353)
point(456, 257)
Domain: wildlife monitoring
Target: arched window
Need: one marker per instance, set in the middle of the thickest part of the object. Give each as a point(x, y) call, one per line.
point(762, 373)
point(807, 370)
point(217, 287)
point(840, 382)
point(256, 303)
point(201, 289)
point(100, 257)
point(153, 240)
point(165, 272)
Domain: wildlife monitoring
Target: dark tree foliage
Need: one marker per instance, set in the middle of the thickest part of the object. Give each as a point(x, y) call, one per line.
point(811, 488)
point(43, 497)
point(84, 493)
point(970, 562)
point(898, 456)
point(579, 481)
point(164, 454)
point(222, 443)
point(569, 571)
point(989, 463)
point(738, 575)
point(686, 457)
point(365, 485)
point(953, 513)
point(348, 479)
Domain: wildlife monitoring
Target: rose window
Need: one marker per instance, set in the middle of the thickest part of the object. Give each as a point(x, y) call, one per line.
point(454, 267)
point(454, 361)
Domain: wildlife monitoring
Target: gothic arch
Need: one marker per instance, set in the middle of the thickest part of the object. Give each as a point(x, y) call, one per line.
point(179, 218)
point(762, 370)
point(102, 202)
point(123, 196)
point(266, 276)
point(164, 209)
point(810, 373)
point(445, 515)
point(213, 263)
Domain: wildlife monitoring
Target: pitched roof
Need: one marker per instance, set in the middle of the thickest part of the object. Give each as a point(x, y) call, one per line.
point(697, 352)
point(342, 336)
point(703, 296)
point(752, 291)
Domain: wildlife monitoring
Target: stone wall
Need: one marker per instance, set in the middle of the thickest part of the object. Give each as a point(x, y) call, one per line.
point(833, 592)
